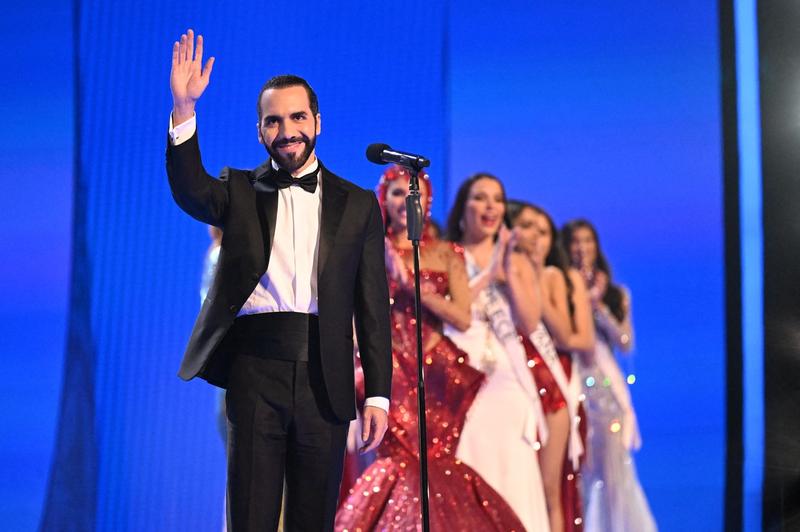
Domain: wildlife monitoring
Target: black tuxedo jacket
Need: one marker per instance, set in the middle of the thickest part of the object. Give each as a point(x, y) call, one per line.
point(351, 272)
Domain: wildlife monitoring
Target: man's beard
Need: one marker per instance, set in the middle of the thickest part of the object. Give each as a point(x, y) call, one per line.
point(292, 162)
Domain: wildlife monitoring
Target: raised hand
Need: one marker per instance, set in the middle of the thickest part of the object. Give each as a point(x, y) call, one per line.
point(498, 261)
point(511, 246)
point(598, 288)
point(188, 79)
point(394, 264)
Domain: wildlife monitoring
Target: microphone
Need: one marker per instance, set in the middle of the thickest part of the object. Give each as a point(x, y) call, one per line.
point(383, 153)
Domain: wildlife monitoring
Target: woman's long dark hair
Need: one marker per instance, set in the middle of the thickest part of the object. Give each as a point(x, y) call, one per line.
point(454, 231)
point(613, 296)
point(556, 256)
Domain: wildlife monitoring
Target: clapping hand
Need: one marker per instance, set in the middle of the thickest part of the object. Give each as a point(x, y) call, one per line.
point(395, 266)
point(188, 79)
point(503, 249)
point(598, 288)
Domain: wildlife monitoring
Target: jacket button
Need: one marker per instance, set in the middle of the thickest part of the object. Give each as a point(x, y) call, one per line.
point(233, 308)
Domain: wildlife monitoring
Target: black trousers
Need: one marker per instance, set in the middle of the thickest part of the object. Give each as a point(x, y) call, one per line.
point(280, 428)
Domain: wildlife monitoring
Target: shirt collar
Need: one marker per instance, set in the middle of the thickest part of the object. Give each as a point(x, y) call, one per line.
point(313, 167)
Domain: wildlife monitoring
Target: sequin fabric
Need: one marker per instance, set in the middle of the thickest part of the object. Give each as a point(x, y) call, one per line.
point(549, 392)
point(552, 401)
point(571, 502)
point(613, 497)
point(386, 495)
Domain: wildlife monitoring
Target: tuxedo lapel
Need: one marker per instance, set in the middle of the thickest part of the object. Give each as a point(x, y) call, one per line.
point(334, 199)
point(267, 205)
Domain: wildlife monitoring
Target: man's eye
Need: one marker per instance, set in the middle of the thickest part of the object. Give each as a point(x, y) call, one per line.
point(397, 192)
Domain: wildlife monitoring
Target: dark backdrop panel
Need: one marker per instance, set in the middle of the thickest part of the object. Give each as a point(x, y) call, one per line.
point(612, 111)
point(161, 464)
point(779, 57)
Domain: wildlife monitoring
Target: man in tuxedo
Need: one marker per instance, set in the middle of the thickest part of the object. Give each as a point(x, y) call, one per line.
point(302, 256)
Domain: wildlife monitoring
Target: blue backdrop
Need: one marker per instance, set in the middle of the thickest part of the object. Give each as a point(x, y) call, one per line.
point(606, 111)
point(36, 142)
point(611, 111)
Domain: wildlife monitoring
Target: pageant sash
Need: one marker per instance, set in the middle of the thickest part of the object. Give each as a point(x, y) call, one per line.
point(570, 388)
point(492, 304)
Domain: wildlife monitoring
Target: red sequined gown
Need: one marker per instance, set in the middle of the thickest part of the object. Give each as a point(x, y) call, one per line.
point(552, 401)
point(386, 495)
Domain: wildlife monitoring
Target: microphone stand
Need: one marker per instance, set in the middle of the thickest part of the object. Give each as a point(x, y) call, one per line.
point(415, 218)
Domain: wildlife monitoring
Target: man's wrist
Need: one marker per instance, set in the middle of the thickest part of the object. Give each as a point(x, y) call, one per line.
point(182, 112)
point(378, 402)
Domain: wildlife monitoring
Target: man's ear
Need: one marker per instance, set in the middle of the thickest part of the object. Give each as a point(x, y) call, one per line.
point(260, 137)
point(319, 124)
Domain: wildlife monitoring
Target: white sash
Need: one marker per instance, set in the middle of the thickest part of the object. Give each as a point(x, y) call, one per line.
point(495, 307)
point(570, 389)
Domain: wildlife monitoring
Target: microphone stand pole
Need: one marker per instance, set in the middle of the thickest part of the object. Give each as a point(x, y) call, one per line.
point(415, 218)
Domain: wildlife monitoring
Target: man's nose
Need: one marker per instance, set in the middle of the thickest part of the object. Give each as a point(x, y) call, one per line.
point(288, 130)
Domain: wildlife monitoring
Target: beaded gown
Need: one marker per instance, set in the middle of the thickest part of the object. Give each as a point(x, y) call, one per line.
point(613, 497)
point(386, 495)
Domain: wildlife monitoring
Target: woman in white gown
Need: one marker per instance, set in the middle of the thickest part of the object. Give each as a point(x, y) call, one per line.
point(505, 426)
point(613, 498)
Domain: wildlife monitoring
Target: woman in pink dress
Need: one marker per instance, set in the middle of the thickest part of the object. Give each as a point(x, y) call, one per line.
point(386, 495)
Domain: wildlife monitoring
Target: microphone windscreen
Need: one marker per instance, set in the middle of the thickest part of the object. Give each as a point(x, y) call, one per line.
point(374, 152)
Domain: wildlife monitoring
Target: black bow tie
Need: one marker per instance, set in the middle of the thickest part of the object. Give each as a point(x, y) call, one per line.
point(284, 179)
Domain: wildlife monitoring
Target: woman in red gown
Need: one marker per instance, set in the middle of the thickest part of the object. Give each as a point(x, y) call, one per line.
point(566, 328)
point(386, 495)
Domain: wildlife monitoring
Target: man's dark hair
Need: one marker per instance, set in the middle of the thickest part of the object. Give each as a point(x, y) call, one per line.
point(289, 80)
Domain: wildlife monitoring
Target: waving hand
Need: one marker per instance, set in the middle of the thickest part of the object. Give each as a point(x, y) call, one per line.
point(188, 78)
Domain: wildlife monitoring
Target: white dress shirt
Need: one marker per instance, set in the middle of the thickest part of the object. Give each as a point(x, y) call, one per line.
point(290, 282)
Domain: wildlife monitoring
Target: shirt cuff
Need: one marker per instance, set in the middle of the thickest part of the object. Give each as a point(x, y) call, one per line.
point(182, 132)
point(378, 402)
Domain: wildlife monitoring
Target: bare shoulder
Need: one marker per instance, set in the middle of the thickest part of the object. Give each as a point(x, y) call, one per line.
point(438, 254)
point(553, 276)
point(446, 250)
point(442, 247)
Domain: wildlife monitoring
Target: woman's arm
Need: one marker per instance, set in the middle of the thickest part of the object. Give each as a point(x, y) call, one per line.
point(555, 311)
point(582, 337)
point(454, 310)
point(523, 291)
point(620, 333)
